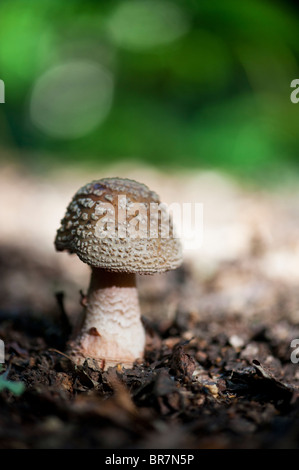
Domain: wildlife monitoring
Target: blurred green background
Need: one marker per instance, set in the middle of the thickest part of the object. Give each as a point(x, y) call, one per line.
point(190, 83)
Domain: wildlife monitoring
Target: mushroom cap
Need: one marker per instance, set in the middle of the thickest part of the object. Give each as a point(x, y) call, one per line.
point(120, 225)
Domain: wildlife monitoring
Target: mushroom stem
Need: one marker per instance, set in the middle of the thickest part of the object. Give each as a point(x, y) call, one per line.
point(111, 328)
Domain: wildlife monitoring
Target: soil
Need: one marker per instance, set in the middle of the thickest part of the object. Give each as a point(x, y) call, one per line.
point(219, 370)
point(209, 379)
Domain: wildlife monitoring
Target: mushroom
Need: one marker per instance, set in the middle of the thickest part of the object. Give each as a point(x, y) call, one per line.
point(120, 229)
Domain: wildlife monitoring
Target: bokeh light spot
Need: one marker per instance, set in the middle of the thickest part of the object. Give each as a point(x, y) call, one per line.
point(140, 25)
point(71, 100)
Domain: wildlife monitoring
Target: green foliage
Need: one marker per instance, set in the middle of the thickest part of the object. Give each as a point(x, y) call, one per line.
point(16, 388)
point(196, 83)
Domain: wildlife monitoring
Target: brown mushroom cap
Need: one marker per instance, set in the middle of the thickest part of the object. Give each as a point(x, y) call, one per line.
point(82, 229)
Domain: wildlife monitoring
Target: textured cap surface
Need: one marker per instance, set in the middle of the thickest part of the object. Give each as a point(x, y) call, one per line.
point(119, 225)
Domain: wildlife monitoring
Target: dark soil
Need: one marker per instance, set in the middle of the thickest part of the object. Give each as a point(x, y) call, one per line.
point(211, 378)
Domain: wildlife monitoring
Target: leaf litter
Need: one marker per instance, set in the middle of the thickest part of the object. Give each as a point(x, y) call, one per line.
point(217, 372)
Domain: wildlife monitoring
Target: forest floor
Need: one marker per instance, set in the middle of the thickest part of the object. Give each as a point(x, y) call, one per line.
point(219, 371)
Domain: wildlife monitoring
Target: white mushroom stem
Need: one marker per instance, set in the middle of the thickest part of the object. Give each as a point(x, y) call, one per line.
point(111, 328)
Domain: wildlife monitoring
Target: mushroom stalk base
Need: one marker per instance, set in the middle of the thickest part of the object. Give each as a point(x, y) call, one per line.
point(111, 331)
